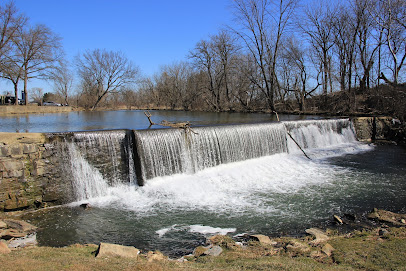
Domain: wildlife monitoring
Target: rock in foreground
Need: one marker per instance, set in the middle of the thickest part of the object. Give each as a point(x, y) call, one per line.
point(113, 250)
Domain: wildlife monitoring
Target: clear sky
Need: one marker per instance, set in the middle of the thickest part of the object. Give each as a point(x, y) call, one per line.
point(151, 33)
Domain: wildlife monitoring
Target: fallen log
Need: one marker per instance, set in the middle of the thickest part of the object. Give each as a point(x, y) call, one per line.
point(148, 115)
point(298, 146)
point(181, 125)
point(277, 117)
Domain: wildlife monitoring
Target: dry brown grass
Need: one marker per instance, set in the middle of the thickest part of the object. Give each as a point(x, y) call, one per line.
point(361, 250)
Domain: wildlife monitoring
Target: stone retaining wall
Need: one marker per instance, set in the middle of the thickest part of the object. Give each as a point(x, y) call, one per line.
point(379, 128)
point(29, 172)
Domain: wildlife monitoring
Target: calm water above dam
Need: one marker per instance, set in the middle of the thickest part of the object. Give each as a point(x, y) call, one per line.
point(125, 119)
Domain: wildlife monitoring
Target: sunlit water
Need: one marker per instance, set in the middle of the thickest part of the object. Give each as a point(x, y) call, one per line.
point(125, 119)
point(281, 193)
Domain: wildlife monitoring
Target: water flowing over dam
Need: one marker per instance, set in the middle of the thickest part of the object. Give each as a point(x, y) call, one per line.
point(166, 152)
point(101, 159)
point(167, 189)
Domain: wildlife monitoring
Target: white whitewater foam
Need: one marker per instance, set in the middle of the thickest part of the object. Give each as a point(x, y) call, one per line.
point(163, 231)
point(205, 230)
point(87, 180)
point(235, 188)
point(210, 230)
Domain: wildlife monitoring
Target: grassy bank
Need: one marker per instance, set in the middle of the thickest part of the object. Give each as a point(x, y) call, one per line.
point(7, 110)
point(374, 249)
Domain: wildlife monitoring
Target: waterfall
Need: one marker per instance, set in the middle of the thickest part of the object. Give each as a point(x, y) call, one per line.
point(87, 181)
point(101, 159)
point(320, 133)
point(96, 160)
point(111, 152)
point(172, 151)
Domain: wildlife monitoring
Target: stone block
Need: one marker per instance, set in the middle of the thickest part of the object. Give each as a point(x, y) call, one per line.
point(327, 249)
point(214, 251)
point(38, 171)
point(51, 194)
point(38, 168)
point(29, 149)
point(262, 239)
point(15, 203)
point(106, 250)
point(16, 150)
point(11, 233)
point(200, 250)
point(363, 128)
point(39, 163)
point(20, 225)
point(320, 235)
point(26, 241)
point(11, 168)
point(4, 151)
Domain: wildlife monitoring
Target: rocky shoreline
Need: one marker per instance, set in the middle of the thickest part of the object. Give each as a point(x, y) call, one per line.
point(17, 234)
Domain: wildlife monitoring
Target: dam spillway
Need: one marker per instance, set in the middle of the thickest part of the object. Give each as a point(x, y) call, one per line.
point(217, 180)
point(171, 151)
point(96, 160)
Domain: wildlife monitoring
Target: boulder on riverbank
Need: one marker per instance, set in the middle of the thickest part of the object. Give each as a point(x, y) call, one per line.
point(113, 250)
point(388, 217)
point(319, 235)
point(17, 233)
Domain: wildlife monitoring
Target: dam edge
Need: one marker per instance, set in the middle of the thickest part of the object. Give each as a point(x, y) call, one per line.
point(30, 175)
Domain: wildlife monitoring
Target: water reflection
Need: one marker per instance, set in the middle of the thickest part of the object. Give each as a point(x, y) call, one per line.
point(127, 119)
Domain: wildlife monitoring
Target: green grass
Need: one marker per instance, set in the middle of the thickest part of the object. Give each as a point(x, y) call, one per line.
point(372, 252)
point(364, 250)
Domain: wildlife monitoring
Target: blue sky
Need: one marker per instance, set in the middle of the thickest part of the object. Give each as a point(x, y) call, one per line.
point(150, 33)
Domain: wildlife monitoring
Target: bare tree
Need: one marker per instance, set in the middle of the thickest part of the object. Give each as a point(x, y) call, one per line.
point(204, 59)
point(225, 48)
point(295, 54)
point(13, 71)
point(345, 27)
point(169, 85)
point(62, 78)
point(147, 94)
point(367, 42)
point(10, 23)
point(34, 52)
point(317, 26)
point(390, 17)
point(263, 23)
point(129, 97)
point(37, 95)
point(244, 88)
point(103, 72)
point(38, 50)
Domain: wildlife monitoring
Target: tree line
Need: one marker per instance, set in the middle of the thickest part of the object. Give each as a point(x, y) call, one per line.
point(276, 56)
point(34, 51)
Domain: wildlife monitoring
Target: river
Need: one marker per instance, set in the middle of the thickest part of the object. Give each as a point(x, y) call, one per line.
point(278, 193)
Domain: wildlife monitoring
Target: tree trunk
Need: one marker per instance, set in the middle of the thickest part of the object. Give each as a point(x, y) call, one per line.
point(16, 93)
point(25, 89)
point(325, 71)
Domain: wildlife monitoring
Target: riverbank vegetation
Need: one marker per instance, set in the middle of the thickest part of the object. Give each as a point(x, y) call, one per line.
point(380, 247)
point(307, 57)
